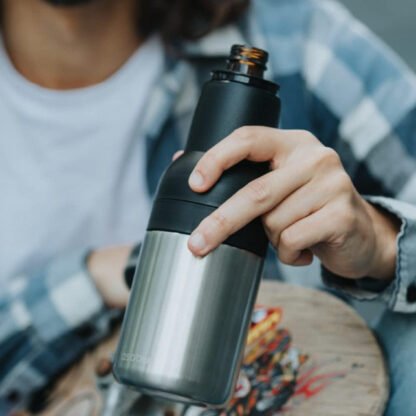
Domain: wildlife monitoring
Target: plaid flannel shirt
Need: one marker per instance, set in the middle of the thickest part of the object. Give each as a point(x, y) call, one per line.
point(337, 81)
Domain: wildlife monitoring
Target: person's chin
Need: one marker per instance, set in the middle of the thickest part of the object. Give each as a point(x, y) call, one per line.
point(68, 2)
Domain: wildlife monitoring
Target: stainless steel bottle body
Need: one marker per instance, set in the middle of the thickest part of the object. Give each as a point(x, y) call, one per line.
point(187, 319)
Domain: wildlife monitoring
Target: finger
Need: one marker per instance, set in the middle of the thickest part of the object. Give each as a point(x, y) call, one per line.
point(305, 259)
point(258, 144)
point(304, 235)
point(256, 198)
point(177, 155)
point(294, 257)
point(303, 202)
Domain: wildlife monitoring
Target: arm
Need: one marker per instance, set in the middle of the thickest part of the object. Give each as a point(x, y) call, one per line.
point(369, 117)
point(50, 318)
point(312, 201)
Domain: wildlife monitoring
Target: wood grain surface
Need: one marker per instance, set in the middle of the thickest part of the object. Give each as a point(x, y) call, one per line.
point(347, 371)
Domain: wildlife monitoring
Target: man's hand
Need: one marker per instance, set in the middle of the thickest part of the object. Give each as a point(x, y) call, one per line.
point(307, 201)
point(106, 266)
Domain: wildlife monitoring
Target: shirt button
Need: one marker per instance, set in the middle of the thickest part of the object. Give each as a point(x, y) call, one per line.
point(411, 293)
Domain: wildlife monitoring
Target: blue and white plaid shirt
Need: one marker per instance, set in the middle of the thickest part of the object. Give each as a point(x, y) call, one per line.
point(337, 81)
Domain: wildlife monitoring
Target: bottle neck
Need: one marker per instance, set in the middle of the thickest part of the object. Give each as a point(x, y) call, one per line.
point(228, 102)
point(247, 60)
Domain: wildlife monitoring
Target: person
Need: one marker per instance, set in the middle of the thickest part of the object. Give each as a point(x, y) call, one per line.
point(96, 96)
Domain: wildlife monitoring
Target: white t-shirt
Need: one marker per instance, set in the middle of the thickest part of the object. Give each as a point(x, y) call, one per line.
point(72, 163)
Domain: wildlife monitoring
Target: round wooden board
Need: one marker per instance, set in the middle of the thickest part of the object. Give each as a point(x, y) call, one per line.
point(329, 331)
point(338, 341)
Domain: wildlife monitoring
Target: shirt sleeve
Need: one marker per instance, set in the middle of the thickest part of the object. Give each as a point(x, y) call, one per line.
point(47, 321)
point(363, 104)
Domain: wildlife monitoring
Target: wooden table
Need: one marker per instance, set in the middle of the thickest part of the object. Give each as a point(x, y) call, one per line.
point(339, 341)
point(345, 375)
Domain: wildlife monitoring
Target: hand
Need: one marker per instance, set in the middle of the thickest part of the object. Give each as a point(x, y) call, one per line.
point(106, 266)
point(307, 202)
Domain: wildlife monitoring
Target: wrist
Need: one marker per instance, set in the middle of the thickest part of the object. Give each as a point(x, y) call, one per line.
point(106, 268)
point(386, 228)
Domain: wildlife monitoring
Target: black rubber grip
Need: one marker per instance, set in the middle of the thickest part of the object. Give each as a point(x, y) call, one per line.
point(183, 217)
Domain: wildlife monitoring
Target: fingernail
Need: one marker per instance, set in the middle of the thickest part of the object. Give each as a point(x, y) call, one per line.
point(197, 241)
point(177, 155)
point(196, 179)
